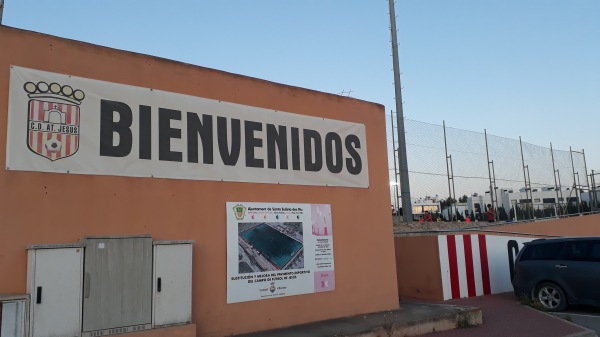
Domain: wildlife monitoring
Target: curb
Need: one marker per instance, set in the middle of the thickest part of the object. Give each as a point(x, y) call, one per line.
point(411, 319)
point(585, 333)
point(466, 317)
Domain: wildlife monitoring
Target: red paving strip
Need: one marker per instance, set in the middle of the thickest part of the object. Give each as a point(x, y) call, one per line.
point(504, 316)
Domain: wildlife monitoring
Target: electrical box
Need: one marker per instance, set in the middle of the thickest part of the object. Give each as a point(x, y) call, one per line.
point(54, 282)
point(117, 290)
point(172, 283)
point(14, 315)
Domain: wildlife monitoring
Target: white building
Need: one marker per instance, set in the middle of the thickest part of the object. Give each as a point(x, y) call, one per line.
point(544, 199)
point(420, 206)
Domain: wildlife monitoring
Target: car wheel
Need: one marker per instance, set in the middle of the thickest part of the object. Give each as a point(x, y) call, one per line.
point(551, 297)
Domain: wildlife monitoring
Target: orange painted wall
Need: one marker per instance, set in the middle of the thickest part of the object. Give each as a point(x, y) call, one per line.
point(420, 277)
point(42, 208)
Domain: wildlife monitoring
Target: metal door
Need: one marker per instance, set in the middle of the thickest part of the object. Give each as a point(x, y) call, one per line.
point(12, 318)
point(54, 283)
point(172, 283)
point(117, 284)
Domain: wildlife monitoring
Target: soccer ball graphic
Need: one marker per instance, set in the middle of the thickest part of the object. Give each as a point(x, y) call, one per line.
point(53, 145)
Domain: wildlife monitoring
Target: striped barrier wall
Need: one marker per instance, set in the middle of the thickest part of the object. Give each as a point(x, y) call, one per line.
point(475, 264)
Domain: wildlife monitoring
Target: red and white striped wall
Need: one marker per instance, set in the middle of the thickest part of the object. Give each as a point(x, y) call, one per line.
point(475, 264)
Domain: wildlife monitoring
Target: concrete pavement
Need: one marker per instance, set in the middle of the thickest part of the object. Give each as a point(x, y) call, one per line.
point(500, 315)
point(505, 316)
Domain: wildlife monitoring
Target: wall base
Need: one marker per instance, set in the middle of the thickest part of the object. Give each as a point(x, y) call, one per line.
point(187, 330)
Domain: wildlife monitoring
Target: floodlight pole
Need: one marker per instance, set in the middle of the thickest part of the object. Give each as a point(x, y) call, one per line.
point(395, 167)
point(402, 160)
point(1, 10)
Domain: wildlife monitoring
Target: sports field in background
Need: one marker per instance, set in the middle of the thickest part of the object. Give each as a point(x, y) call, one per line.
point(272, 244)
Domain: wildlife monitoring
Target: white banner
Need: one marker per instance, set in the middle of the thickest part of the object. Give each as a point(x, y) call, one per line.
point(66, 124)
point(276, 250)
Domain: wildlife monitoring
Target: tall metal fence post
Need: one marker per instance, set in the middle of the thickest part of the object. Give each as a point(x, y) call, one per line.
point(395, 168)
point(587, 181)
point(448, 172)
point(402, 159)
point(585, 168)
point(487, 153)
point(575, 181)
point(593, 192)
point(1, 10)
point(531, 212)
point(495, 190)
point(528, 192)
point(454, 207)
point(447, 169)
point(556, 186)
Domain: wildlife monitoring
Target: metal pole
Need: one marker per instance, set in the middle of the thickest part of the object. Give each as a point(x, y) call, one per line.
point(402, 159)
point(531, 214)
point(487, 153)
point(455, 208)
point(574, 181)
point(527, 186)
point(447, 167)
point(578, 193)
point(395, 168)
point(1, 10)
point(556, 187)
point(587, 181)
point(561, 193)
point(495, 190)
point(593, 178)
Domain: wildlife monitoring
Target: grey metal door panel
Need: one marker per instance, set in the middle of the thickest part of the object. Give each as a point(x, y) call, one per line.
point(117, 283)
point(54, 282)
point(173, 284)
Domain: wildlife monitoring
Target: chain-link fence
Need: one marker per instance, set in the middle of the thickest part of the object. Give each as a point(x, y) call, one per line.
point(464, 172)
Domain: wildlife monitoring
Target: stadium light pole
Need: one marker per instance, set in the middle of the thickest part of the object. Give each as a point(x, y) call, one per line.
point(402, 160)
point(1, 10)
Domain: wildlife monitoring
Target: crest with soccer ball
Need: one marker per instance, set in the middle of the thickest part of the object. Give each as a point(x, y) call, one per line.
point(53, 119)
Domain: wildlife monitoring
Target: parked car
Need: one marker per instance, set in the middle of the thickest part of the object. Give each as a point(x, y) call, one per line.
point(559, 271)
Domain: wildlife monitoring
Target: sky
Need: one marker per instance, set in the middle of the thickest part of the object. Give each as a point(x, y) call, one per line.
point(528, 68)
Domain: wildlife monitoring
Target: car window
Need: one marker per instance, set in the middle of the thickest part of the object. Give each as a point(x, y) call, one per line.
point(544, 251)
point(596, 251)
point(579, 251)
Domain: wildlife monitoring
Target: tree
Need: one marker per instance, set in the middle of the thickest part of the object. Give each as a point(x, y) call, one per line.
point(447, 202)
point(464, 198)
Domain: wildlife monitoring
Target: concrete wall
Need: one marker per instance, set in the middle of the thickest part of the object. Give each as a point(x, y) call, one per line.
point(44, 208)
point(422, 275)
point(588, 225)
point(418, 277)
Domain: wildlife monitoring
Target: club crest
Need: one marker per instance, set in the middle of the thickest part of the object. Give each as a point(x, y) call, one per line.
point(53, 119)
point(239, 211)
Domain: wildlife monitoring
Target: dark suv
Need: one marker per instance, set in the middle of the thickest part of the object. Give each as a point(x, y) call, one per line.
point(559, 271)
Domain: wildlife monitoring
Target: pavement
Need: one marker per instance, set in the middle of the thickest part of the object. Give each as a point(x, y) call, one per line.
point(504, 315)
point(500, 315)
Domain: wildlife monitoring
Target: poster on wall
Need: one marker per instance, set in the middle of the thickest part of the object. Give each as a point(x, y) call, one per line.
point(67, 124)
point(278, 249)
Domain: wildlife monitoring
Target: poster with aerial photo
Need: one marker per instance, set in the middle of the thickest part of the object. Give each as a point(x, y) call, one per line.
point(276, 250)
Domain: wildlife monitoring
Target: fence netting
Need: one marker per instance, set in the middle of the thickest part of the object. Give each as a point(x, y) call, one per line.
point(449, 165)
